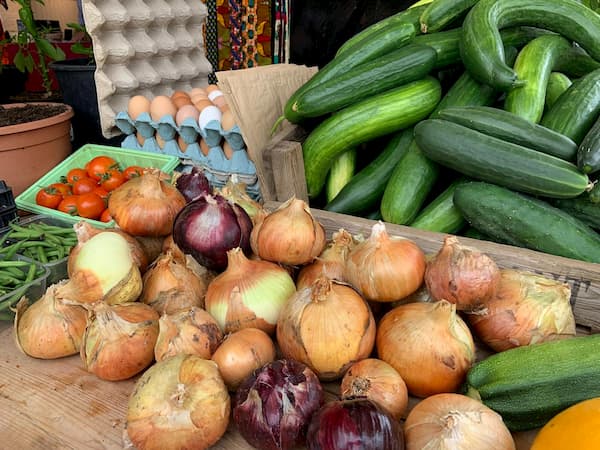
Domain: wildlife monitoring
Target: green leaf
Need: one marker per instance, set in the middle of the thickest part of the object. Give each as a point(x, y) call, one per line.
point(29, 63)
point(50, 50)
point(19, 61)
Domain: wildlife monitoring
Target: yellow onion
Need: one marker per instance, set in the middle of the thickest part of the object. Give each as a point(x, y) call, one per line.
point(102, 269)
point(289, 235)
point(385, 268)
point(173, 282)
point(330, 262)
point(178, 403)
point(192, 331)
point(119, 340)
point(527, 309)
point(462, 275)
point(49, 328)
point(328, 327)
point(241, 353)
point(248, 294)
point(235, 191)
point(379, 382)
point(146, 205)
point(152, 245)
point(455, 422)
point(429, 345)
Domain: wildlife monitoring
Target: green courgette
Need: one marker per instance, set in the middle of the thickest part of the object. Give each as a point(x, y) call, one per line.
point(576, 110)
point(481, 46)
point(588, 153)
point(529, 385)
point(558, 83)
point(440, 13)
point(410, 63)
point(377, 116)
point(523, 221)
point(341, 172)
point(487, 158)
point(512, 128)
point(364, 191)
point(533, 65)
point(441, 215)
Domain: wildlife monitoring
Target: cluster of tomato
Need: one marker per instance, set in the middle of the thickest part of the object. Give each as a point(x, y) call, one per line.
point(84, 191)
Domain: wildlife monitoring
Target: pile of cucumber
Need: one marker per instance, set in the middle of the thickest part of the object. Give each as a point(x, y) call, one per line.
point(474, 117)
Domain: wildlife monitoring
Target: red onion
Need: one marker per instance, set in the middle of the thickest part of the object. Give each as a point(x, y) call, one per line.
point(273, 406)
point(209, 226)
point(354, 424)
point(193, 184)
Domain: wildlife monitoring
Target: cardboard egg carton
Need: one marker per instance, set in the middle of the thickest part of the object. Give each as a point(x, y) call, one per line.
point(146, 47)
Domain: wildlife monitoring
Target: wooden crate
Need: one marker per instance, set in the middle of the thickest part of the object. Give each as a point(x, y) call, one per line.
point(57, 404)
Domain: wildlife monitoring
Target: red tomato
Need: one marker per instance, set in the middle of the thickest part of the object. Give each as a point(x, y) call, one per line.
point(102, 193)
point(63, 188)
point(132, 172)
point(105, 216)
point(76, 174)
point(90, 206)
point(48, 197)
point(69, 205)
point(83, 186)
point(112, 180)
point(98, 166)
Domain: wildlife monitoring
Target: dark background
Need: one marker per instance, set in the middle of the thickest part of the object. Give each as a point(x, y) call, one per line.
point(318, 28)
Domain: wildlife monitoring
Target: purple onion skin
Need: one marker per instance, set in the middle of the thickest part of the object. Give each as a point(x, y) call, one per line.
point(193, 184)
point(354, 424)
point(209, 226)
point(273, 406)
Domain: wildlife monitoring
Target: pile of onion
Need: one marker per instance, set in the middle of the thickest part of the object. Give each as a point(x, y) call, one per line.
point(235, 191)
point(193, 184)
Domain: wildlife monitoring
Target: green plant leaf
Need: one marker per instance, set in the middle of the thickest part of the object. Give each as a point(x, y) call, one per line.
point(19, 61)
point(52, 52)
point(29, 63)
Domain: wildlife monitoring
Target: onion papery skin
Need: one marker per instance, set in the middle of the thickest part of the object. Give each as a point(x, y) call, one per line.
point(49, 328)
point(191, 331)
point(354, 424)
point(241, 353)
point(235, 191)
point(146, 205)
point(385, 268)
point(328, 327)
point(175, 282)
point(429, 345)
point(193, 184)
point(273, 406)
point(289, 235)
point(379, 382)
point(208, 227)
point(248, 294)
point(178, 403)
point(462, 275)
point(455, 422)
point(119, 340)
point(527, 309)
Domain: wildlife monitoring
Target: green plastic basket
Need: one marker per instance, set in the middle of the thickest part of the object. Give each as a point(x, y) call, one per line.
point(125, 157)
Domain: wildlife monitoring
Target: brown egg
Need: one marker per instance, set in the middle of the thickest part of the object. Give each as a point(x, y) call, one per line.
point(220, 102)
point(137, 105)
point(224, 108)
point(227, 120)
point(197, 91)
point(177, 94)
point(201, 104)
point(162, 106)
point(186, 111)
point(227, 149)
point(182, 144)
point(211, 87)
point(141, 139)
point(160, 141)
point(180, 98)
point(204, 148)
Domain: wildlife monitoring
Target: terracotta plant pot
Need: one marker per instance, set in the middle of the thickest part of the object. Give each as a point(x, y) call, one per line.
point(30, 150)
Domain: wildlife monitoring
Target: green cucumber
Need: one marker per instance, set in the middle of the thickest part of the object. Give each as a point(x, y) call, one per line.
point(576, 110)
point(534, 64)
point(377, 116)
point(576, 63)
point(441, 215)
point(410, 63)
point(440, 13)
point(364, 191)
point(529, 385)
point(594, 194)
point(557, 84)
point(341, 172)
point(523, 221)
point(582, 208)
point(411, 181)
point(494, 160)
point(481, 45)
point(588, 153)
point(512, 128)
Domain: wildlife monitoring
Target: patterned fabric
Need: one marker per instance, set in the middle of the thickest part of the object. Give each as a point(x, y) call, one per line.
point(281, 31)
point(211, 38)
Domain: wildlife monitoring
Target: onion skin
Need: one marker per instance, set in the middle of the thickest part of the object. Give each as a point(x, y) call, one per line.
point(455, 422)
point(241, 353)
point(235, 191)
point(328, 327)
point(379, 382)
point(462, 275)
point(429, 345)
point(273, 406)
point(193, 184)
point(354, 424)
point(178, 403)
point(527, 309)
point(208, 227)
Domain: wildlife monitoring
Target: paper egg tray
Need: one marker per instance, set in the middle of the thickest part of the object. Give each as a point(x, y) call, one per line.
point(217, 167)
point(146, 47)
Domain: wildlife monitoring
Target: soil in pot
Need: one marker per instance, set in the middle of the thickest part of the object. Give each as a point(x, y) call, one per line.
point(28, 113)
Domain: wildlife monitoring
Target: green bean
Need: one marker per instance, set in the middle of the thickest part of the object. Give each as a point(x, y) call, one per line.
point(5, 315)
point(14, 297)
point(12, 250)
point(15, 272)
point(14, 263)
point(41, 256)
